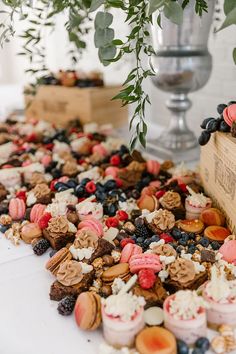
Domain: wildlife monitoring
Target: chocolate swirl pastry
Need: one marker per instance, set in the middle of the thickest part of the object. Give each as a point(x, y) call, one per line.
point(170, 200)
point(164, 250)
point(86, 238)
point(42, 193)
point(69, 273)
point(58, 225)
point(182, 271)
point(163, 220)
point(37, 178)
point(70, 168)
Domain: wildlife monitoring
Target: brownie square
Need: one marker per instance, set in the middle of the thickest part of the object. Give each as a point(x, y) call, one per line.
point(172, 286)
point(59, 240)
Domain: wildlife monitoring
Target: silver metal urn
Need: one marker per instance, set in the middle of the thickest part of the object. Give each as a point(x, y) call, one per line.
point(182, 64)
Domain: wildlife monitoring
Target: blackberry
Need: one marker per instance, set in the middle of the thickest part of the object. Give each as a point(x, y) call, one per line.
point(66, 306)
point(221, 107)
point(215, 245)
point(141, 231)
point(204, 242)
point(41, 246)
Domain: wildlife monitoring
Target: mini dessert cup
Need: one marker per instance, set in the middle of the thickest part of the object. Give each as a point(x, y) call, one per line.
point(188, 330)
point(195, 203)
point(219, 312)
point(119, 333)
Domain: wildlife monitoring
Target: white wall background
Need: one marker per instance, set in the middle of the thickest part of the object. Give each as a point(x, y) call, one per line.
point(220, 88)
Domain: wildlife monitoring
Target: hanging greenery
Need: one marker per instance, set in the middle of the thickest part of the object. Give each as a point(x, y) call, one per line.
point(41, 14)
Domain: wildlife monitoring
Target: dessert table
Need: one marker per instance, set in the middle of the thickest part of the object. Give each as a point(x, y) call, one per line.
point(29, 320)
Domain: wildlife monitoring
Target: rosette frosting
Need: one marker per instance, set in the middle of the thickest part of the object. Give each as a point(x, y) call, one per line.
point(70, 273)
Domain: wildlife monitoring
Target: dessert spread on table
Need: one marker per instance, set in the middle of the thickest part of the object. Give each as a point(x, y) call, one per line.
point(134, 246)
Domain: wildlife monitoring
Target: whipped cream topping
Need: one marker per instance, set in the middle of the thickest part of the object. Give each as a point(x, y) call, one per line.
point(112, 144)
point(181, 171)
point(107, 349)
point(167, 259)
point(117, 285)
point(86, 207)
point(57, 209)
point(163, 275)
point(60, 147)
point(219, 288)
point(90, 128)
point(197, 199)
point(197, 266)
point(123, 306)
point(78, 143)
point(128, 205)
point(92, 173)
point(31, 199)
point(86, 268)
point(185, 305)
point(66, 197)
point(81, 253)
point(71, 227)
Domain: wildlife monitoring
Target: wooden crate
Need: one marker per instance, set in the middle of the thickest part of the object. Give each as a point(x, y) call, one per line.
point(61, 104)
point(218, 174)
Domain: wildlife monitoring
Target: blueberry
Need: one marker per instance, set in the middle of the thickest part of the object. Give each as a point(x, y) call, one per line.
point(59, 185)
point(147, 242)
point(122, 199)
point(139, 186)
point(133, 237)
point(155, 238)
point(176, 233)
point(140, 240)
point(202, 343)
point(184, 239)
point(56, 173)
point(62, 188)
point(3, 228)
point(80, 191)
point(85, 181)
point(204, 138)
point(204, 242)
point(146, 180)
point(215, 245)
point(71, 183)
point(124, 149)
point(110, 184)
point(198, 351)
point(205, 122)
point(101, 196)
point(135, 194)
point(231, 102)
point(111, 209)
point(113, 193)
point(99, 187)
point(191, 248)
point(212, 126)
point(182, 347)
point(191, 235)
point(221, 107)
point(224, 127)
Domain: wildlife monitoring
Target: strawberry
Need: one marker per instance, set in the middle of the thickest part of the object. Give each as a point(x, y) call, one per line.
point(125, 241)
point(90, 187)
point(52, 184)
point(31, 138)
point(166, 237)
point(146, 278)
point(122, 215)
point(183, 187)
point(21, 195)
point(112, 222)
point(119, 182)
point(115, 160)
point(160, 194)
point(43, 221)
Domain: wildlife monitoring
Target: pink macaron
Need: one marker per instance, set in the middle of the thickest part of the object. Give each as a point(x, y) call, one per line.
point(144, 261)
point(36, 212)
point(100, 150)
point(93, 224)
point(150, 190)
point(229, 114)
point(228, 251)
point(128, 251)
point(17, 208)
point(153, 167)
point(111, 171)
point(63, 179)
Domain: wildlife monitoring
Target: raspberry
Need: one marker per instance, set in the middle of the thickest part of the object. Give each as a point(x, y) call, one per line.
point(21, 195)
point(122, 215)
point(119, 182)
point(49, 146)
point(115, 160)
point(125, 241)
point(52, 185)
point(90, 187)
point(160, 194)
point(43, 221)
point(146, 278)
point(31, 138)
point(112, 222)
point(183, 187)
point(167, 238)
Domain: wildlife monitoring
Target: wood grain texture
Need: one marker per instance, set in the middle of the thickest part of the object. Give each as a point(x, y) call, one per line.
point(60, 104)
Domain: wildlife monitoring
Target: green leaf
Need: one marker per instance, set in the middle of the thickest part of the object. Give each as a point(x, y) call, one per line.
point(142, 139)
point(133, 144)
point(107, 53)
point(103, 37)
point(234, 55)
point(174, 12)
point(159, 20)
point(117, 42)
point(154, 5)
point(229, 20)
point(95, 5)
point(103, 20)
point(229, 5)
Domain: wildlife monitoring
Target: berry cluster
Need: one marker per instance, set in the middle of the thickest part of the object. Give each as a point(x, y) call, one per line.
point(211, 125)
point(201, 345)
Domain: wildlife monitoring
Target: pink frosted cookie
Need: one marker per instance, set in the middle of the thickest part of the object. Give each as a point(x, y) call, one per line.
point(36, 212)
point(17, 208)
point(111, 171)
point(128, 251)
point(228, 251)
point(144, 261)
point(153, 167)
point(92, 224)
